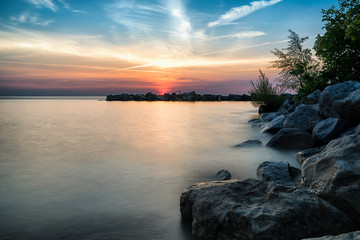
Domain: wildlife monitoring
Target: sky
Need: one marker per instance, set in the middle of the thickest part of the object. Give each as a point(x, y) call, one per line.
point(100, 47)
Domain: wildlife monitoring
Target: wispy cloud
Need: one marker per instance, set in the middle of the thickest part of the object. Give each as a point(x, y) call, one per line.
point(32, 18)
point(240, 35)
point(69, 7)
point(44, 3)
point(242, 11)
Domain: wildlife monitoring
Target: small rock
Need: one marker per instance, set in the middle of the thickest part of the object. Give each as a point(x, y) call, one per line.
point(303, 155)
point(291, 139)
point(249, 143)
point(275, 125)
point(222, 175)
point(279, 172)
point(267, 117)
point(314, 96)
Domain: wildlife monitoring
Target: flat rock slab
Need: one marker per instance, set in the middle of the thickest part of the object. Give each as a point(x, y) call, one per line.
point(279, 172)
point(249, 143)
point(254, 209)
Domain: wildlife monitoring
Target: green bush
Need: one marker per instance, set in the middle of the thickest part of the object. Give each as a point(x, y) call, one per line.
point(264, 95)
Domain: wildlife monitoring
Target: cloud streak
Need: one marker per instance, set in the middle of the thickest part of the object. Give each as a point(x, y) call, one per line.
point(242, 11)
point(32, 18)
point(44, 3)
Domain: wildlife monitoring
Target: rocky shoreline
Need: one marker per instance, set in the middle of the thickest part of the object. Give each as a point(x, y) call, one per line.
point(187, 97)
point(320, 199)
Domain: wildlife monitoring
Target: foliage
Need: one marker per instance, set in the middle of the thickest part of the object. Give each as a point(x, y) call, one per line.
point(339, 47)
point(264, 94)
point(298, 70)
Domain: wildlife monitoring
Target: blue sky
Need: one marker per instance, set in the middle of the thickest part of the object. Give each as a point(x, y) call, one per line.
point(102, 47)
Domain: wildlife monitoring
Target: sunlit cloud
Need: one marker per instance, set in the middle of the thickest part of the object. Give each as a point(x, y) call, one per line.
point(44, 3)
point(242, 11)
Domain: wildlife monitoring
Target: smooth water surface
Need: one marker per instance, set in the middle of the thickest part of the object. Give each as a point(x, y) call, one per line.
point(90, 169)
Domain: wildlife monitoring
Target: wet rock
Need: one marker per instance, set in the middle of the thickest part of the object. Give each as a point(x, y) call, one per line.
point(333, 93)
point(249, 143)
point(279, 172)
point(314, 96)
point(222, 175)
point(334, 175)
point(255, 120)
point(291, 139)
point(267, 117)
point(254, 209)
point(344, 236)
point(329, 129)
point(303, 155)
point(275, 125)
point(288, 106)
point(304, 117)
point(349, 107)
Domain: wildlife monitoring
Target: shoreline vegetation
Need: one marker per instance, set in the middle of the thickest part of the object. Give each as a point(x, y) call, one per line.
point(185, 97)
point(322, 122)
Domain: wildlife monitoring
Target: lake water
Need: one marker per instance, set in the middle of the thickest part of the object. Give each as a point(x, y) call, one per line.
point(84, 168)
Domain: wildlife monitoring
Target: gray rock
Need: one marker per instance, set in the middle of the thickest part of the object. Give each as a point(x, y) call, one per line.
point(349, 107)
point(254, 209)
point(267, 117)
point(287, 107)
point(291, 139)
point(334, 175)
point(222, 175)
point(255, 120)
point(275, 125)
point(345, 236)
point(333, 93)
point(314, 96)
point(249, 143)
point(279, 172)
point(329, 129)
point(303, 155)
point(304, 117)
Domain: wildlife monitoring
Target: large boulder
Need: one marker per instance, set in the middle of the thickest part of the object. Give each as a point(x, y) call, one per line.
point(333, 93)
point(304, 117)
point(349, 107)
point(291, 139)
point(345, 236)
point(329, 129)
point(275, 125)
point(334, 175)
point(254, 209)
point(303, 155)
point(288, 106)
point(268, 116)
point(279, 172)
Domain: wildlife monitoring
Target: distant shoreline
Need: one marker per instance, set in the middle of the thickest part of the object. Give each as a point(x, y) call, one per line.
point(184, 97)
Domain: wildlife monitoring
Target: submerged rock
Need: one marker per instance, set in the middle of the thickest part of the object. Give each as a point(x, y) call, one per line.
point(334, 175)
point(222, 175)
point(291, 139)
point(249, 143)
point(329, 129)
point(279, 172)
point(254, 209)
point(304, 117)
point(344, 236)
